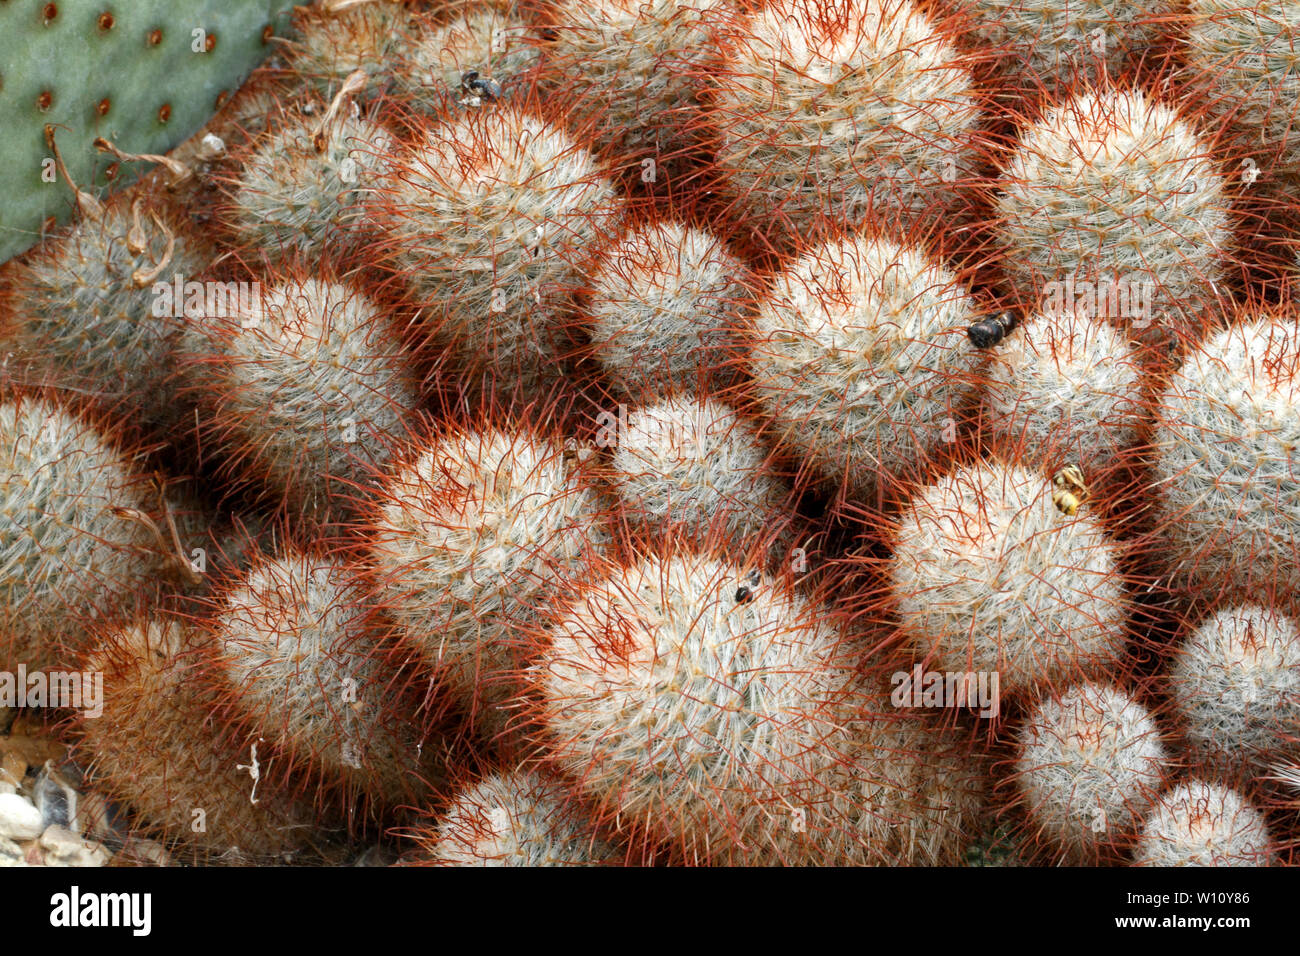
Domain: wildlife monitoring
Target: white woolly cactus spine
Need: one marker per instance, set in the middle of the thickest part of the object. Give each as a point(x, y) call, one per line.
point(1202, 824)
point(488, 219)
point(1089, 765)
point(860, 358)
point(155, 747)
point(1065, 388)
point(86, 308)
point(304, 388)
point(1227, 452)
point(1114, 189)
point(696, 463)
point(472, 535)
point(705, 700)
point(1048, 45)
point(68, 558)
point(487, 39)
point(989, 576)
point(636, 65)
point(516, 818)
point(294, 644)
point(835, 111)
point(1244, 55)
point(1235, 684)
point(291, 196)
point(664, 304)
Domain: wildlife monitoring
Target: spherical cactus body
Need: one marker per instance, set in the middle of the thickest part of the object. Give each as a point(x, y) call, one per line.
point(634, 71)
point(1114, 202)
point(1066, 388)
point(664, 305)
point(1240, 64)
point(296, 654)
point(860, 359)
point(299, 187)
point(696, 463)
point(1235, 685)
point(1045, 48)
point(304, 388)
point(469, 538)
point(833, 113)
point(75, 530)
point(1202, 824)
point(156, 747)
point(719, 705)
point(93, 309)
point(372, 37)
point(988, 575)
point(489, 219)
point(516, 818)
point(1227, 450)
point(480, 54)
point(1089, 765)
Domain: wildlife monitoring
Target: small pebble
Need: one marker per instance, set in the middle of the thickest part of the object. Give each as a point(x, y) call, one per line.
point(11, 854)
point(64, 848)
point(19, 819)
point(54, 797)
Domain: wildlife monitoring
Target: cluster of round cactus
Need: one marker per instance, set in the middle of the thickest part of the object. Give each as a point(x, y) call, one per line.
point(529, 340)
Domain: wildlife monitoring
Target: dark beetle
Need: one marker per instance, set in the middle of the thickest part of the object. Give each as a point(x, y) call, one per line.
point(470, 83)
point(744, 592)
point(987, 333)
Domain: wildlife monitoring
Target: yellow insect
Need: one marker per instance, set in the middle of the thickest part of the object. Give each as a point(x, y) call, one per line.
point(1069, 490)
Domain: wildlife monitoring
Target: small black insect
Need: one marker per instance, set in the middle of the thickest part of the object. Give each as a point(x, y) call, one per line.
point(745, 592)
point(987, 333)
point(487, 89)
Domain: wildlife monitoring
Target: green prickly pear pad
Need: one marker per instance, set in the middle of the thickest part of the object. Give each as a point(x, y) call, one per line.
point(144, 74)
